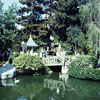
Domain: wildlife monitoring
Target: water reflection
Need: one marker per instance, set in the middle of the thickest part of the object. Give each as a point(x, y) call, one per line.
point(9, 82)
point(21, 98)
point(54, 85)
point(50, 87)
point(63, 77)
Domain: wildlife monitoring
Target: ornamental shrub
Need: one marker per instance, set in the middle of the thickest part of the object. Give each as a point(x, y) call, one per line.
point(84, 67)
point(85, 73)
point(84, 61)
point(27, 62)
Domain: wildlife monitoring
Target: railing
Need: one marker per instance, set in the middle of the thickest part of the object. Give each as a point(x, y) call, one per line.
point(53, 61)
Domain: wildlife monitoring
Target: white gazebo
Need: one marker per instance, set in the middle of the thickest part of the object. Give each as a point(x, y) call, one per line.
point(29, 45)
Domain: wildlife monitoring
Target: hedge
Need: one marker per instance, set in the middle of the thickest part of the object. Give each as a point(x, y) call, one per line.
point(85, 73)
point(84, 67)
point(84, 61)
point(26, 62)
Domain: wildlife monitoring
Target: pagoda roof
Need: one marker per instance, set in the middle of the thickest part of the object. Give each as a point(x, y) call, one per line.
point(31, 43)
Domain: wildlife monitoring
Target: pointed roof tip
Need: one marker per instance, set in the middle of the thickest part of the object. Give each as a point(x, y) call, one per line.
point(31, 42)
point(30, 36)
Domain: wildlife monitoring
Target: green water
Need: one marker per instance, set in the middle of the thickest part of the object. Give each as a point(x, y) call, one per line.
point(49, 87)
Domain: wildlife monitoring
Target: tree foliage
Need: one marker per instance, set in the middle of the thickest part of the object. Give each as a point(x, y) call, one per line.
point(90, 23)
point(7, 26)
point(65, 23)
point(76, 38)
point(73, 23)
point(30, 17)
point(63, 13)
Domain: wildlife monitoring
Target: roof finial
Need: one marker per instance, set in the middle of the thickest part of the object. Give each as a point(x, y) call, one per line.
point(30, 36)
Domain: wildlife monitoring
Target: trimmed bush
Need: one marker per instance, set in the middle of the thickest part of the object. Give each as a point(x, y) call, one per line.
point(82, 67)
point(27, 62)
point(84, 61)
point(85, 73)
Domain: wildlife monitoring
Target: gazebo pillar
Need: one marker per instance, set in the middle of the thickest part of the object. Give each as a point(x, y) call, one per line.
point(31, 51)
point(23, 45)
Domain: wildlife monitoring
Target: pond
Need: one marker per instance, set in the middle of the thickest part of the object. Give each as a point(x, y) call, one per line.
point(49, 87)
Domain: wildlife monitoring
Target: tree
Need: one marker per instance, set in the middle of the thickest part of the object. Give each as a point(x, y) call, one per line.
point(76, 39)
point(30, 17)
point(90, 23)
point(1, 26)
point(7, 27)
point(57, 18)
point(65, 24)
point(63, 13)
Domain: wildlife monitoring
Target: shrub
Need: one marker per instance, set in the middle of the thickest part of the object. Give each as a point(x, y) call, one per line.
point(27, 62)
point(47, 70)
point(81, 68)
point(85, 73)
point(84, 61)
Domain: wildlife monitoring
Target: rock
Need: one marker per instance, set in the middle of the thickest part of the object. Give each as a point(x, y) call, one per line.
point(7, 71)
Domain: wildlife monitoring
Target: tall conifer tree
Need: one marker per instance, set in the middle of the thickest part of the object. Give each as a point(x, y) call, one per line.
point(7, 26)
point(63, 13)
point(31, 17)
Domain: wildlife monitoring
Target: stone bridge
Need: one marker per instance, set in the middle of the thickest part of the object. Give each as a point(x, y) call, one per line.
point(53, 61)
